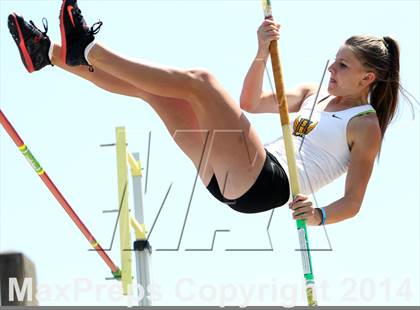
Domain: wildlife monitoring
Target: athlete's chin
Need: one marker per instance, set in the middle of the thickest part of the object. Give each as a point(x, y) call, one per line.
point(332, 89)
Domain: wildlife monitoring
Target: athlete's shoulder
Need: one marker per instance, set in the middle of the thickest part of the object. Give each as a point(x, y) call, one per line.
point(365, 129)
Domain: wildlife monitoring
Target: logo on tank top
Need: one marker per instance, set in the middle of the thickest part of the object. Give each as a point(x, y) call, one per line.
point(303, 126)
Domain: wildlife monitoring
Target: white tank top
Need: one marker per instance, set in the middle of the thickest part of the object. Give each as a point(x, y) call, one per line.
point(325, 153)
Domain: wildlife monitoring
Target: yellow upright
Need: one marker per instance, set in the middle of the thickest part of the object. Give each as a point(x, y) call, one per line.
point(124, 215)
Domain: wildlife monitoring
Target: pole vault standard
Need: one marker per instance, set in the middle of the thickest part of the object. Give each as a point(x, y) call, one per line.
point(116, 272)
point(141, 245)
point(291, 160)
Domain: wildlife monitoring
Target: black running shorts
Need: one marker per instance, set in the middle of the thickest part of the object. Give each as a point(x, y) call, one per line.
point(270, 190)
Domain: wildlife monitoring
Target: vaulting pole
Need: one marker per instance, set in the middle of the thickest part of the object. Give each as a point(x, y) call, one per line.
point(57, 194)
point(291, 160)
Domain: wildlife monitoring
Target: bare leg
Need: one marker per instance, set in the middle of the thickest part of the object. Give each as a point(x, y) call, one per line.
point(176, 114)
point(236, 153)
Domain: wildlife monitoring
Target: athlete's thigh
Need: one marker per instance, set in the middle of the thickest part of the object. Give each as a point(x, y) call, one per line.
point(182, 123)
point(236, 152)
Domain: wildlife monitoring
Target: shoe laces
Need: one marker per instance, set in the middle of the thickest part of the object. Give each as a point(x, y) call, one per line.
point(94, 30)
point(44, 24)
point(77, 13)
point(95, 27)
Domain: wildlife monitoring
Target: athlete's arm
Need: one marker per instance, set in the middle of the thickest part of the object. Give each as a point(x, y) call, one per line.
point(267, 102)
point(364, 135)
point(253, 99)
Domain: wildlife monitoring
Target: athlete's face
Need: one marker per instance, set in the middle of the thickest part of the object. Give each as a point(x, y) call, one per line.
point(348, 76)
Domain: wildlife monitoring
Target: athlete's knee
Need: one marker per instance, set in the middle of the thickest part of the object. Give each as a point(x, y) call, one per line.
point(200, 78)
point(201, 74)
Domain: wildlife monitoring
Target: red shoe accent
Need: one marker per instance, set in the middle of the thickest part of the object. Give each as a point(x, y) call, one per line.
point(28, 61)
point(69, 10)
point(63, 34)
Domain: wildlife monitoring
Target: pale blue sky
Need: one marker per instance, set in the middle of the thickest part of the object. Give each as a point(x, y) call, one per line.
point(64, 119)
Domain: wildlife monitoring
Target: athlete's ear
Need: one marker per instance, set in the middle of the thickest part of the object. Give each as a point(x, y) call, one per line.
point(368, 78)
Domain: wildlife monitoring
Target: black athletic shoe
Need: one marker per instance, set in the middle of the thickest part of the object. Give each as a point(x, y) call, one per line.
point(33, 44)
point(75, 34)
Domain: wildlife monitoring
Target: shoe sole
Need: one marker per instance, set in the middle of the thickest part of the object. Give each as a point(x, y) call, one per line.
point(17, 35)
point(63, 33)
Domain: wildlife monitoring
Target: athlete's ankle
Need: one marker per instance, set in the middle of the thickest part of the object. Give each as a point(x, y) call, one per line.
point(88, 49)
point(54, 53)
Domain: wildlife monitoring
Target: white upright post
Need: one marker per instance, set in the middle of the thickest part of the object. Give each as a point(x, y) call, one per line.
point(142, 248)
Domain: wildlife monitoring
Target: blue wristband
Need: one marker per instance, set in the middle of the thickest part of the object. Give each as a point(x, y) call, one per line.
point(324, 216)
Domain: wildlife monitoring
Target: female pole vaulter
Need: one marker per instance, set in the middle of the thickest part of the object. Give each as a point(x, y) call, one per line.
point(344, 134)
